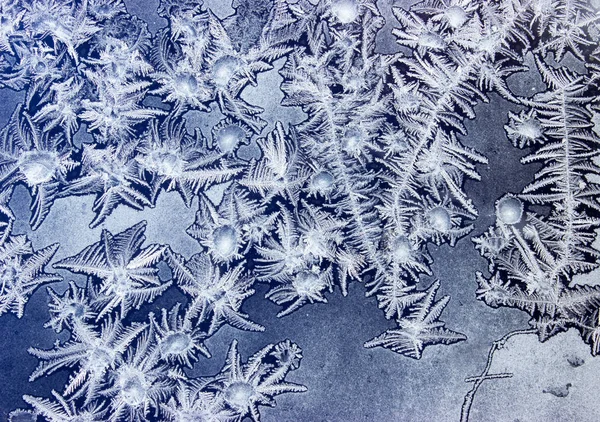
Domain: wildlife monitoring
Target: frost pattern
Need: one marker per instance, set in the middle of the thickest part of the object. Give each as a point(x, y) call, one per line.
point(357, 191)
point(22, 268)
point(534, 256)
point(21, 272)
point(420, 328)
point(125, 273)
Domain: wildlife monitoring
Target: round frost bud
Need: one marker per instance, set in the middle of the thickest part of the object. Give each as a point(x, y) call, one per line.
point(224, 69)
point(38, 166)
point(307, 283)
point(175, 344)
point(431, 40)
point(456, 16)
point(509, 210)
point(20, 415)
point(229, 137)
point(225, 240)
point(99, 359)
point(165, 163)
point(528, 131)
point(439, 219)
point(132, 389)
point(322, 181)
point(345, 11)
point(402, 249)
point(186, 83)
point(239, 394)
point(352, 140)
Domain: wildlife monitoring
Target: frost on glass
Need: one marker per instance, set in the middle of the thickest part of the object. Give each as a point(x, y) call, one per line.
point(359, 188)
point(535, 255)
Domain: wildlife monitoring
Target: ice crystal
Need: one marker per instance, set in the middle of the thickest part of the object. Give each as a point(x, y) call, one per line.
point(231, 229)
point(229, 135)
point(125, 272)
point(72, 308)
point(138, 383)
point(244, 387)
point(197, 63)
point(178, 338)
point(118, 107)
point(534, 257)
point(111, 174)
point(192, 402)
point(38, 158)
point(280, 170)
point(239, 389)
point(63, 411)
point(179, 161)
point(356, 189)
point(420, 328)
point(21, 272)
point(216, 297)
point(64, 22)
point(91, 353)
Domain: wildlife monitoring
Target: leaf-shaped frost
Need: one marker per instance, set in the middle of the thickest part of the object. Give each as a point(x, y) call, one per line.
point(420, 328)
point(21, 272)
point(216, 296)
point(534, 259)
point(246, 386)
point(126, 273)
